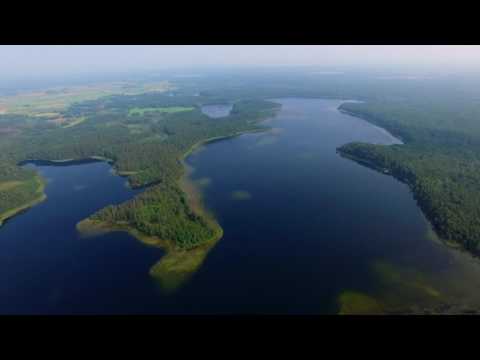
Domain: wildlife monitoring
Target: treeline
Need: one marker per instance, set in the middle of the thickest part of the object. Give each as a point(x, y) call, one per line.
point(161, 211)
point(18, 195)
point(12, 172)
point(446, 185)
point(18, 186)
point(436, 118)
point(440, 159)
point(147, 147)
point(433, 125)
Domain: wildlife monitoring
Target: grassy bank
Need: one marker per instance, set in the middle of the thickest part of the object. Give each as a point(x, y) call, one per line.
point(170, 213)
point(40, 196)
point(217, 138)
point(175, 267)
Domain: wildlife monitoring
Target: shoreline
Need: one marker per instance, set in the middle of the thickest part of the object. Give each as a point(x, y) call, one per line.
point(371, 122)
point(217, 138)
point(67, 162)
point(176, 266)
point(92, 158)
point(5, 216)
point(451, 244)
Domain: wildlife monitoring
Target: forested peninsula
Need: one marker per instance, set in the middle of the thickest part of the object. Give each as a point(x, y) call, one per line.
point(148, 148)
point(440, 165)
point(146, 135)
point(437, 117)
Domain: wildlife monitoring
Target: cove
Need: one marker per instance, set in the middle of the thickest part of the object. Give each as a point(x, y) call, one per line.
point(47, 268)
point(305, 232)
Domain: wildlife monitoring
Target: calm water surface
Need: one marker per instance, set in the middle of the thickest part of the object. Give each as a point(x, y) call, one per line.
point(217, 110)
point(302, 225)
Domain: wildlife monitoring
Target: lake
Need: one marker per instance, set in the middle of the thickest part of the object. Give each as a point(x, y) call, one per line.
point(305, 232)
point(217, 110)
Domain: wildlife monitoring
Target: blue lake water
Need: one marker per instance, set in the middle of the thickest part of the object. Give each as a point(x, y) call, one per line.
point(301, 225)
point(217, 110)
point(46, 267)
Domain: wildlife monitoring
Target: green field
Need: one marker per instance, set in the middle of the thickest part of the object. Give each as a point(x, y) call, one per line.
point(168, 110)
point(49, 102)
point(16, 196)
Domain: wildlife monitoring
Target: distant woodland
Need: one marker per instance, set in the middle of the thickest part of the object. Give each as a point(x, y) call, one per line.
point(437, 118)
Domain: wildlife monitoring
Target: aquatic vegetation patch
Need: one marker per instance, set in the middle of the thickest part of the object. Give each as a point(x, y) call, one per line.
point(163, 212)
point(241, 195)
point(203, 182)
point(400, 291)
point(176, 267)
point(404, 290)
point(173, 269)
point(357, 303)
point(407, 280)
point(179, 263)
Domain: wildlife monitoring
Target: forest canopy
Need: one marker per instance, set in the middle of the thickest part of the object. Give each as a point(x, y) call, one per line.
point(437, 118)
point(145, 145)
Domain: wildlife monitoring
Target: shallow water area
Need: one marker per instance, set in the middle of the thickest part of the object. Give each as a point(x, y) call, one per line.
point(305, 232)
point(316, 225)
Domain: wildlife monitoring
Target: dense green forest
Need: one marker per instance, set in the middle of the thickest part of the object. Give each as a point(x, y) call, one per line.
point(437, 116)
point(147, 147)
point(161, 211)
point(440, 161)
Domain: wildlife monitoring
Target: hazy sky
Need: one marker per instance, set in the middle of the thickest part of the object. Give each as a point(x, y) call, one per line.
point(31, 61)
